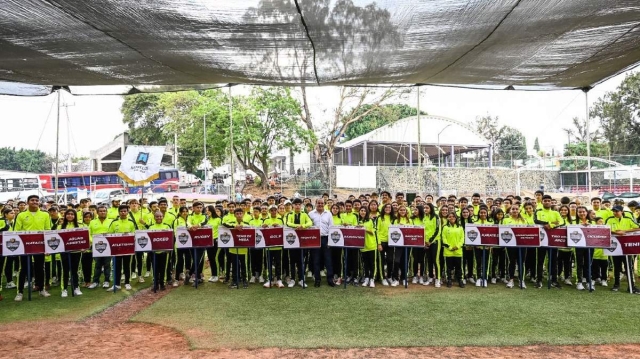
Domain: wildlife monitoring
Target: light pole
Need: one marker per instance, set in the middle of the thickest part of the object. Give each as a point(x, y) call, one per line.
point(439, 153)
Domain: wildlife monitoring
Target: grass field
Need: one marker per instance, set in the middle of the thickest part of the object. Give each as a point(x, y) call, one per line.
point(214, 316)
point(71, 308)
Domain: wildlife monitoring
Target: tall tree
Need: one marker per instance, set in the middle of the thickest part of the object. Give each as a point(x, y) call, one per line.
point(377, 118)
point(24, 160)
point(511, 144)
point(536, 145)
point(145, 119)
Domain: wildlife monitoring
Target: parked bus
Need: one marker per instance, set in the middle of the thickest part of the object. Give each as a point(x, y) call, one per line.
point(18, 188)
point(168, 181)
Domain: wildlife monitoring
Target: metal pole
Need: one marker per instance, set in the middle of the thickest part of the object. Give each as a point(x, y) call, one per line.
point(418, 148)
point(231, 167)
point(175, 149)
point(57, 150)
point(204, 124)
point(586, 110)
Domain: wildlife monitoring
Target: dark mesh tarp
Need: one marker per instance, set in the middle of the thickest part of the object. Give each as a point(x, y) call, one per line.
point(176, 44)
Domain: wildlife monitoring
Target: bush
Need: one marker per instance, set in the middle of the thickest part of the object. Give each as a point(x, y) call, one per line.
point(257, 181)
point(312, 188)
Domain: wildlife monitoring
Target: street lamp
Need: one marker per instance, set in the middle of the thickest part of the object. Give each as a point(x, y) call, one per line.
point(439, 165)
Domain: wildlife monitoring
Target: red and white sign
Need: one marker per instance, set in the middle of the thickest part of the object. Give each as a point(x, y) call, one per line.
point(350, 237)
point(406, 236)
point(554, 237)
point(624, 245)
point(269, 237)
point(302, 238)
point(113, 244)
point(22, 243)
point(66, 240)
point(519, 236)
point(236, 238)
point(480, 235)
point(201, 237)
point(590, 236)
point(154, 240)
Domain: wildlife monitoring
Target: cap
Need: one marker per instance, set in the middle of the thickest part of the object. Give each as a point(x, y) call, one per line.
point(273, 207)
point(287, 202)
point(617, 208)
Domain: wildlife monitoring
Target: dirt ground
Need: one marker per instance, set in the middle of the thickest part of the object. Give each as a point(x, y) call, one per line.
point(110, 334)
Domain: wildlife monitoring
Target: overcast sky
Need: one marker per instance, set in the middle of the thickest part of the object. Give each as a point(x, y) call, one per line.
point(95, 120)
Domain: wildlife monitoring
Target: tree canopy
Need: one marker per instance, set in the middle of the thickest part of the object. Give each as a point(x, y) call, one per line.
point(377, 118)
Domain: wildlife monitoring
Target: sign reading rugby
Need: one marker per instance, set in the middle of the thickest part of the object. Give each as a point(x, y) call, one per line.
point(201, 237)
point(115, 244)
point(554, 237)
point(519, 236)
point(301, 238)
point(480, 235)
point(154, 240)
point(624, 245)
point(269, 237)
point(237, 238)
point(351, 237)
point(406, 236)
point(591, 236)
point(66, 240)
point(22, 243)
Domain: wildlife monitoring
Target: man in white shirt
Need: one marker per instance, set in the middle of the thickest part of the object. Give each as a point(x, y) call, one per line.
point(322, 256)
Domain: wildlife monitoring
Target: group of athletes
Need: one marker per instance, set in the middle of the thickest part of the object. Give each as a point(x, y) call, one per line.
point(444, 259)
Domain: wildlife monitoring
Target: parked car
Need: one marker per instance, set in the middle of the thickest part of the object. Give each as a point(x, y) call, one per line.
point(106, 195)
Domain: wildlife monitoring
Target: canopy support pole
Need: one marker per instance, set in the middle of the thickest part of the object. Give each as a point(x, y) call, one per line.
point(418, 148)
point(586, 110)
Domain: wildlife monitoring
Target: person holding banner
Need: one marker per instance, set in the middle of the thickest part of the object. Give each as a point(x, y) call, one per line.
point(214, 222)
point(482, 259)
point(498, 254)
point(515, 254)
point(196, 220)
point(417, 254)
point(370, 246)
point(70, 260)
point(386, 255)
point(400, 259)
point(548, 218)
point(32, 220)
point(565, 254)
point(86, 260)
point(7, 219)
point(349, 218)
point(453, 241)
point(275, 253)
point(237, 256)
point(102, 265)
point(322, 256)
point(161, 257)
point(582, 254)
point(123, 224)
point(183, 262)
point(336, 252)
point(138, 217)
point(466, 216)
point(297, 220)
point(620, 225)
point(256, 254)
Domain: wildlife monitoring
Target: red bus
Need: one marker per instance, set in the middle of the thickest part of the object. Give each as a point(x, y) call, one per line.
point(71, 182)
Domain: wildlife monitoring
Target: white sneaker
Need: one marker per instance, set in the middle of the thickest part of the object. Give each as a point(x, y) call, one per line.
point(385, 282)
point(366, 282)
point(127, 286)
point(484, 283)
point(105, 285)
point(421, 280)
point(44, 293)
point(147, 275)
point(11, 285)
point(510, 283)
point(18, 297)
point(524, 285)
point(140, 279)
point(394, 283)
point(253, 279)
point(261, 279)
point(267, 284)
point(134, 275)
point(302, 284)
point(175, 283)
point(122, 278)
point(415, 280)
point(579, 286)
point(471, 280)
point(64, 293)
point(323, 273)
point(279, 284)
point(437, 285)
point(493, 281)
point(111, 288)
point(603, 283)
point(404, 283)
point(93, 285)
point(212, 279)
point(309, 274)
point(426, 282)
point(77, 292)
point(291, 283)
point(429, 281)
point(372, 284)
point(504, 280)
point(567, 281)
point(479, 283)
point(192, 279)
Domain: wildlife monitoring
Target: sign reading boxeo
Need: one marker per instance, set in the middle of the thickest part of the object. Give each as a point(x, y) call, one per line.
point(349, 237)
point(154, 240)
point(236, 238)
point(406, 236)
point(66, 240)
point(113, 244)
point(22, 243)
point(481, 235)
point(198, 238)
point(519, 236)
point(302, 238)
point(591, 236)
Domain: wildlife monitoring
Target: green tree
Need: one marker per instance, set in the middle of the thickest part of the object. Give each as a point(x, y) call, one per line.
point(598, 149)
point(145, 119)
point(511, 144)
point(536, 145)
point(24, 160)
point(377, 118)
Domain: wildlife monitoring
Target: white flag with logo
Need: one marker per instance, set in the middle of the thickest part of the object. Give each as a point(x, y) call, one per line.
point(141, 164)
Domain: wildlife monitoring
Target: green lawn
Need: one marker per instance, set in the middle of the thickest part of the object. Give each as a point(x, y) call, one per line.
point(55, 307)
point(215, 317)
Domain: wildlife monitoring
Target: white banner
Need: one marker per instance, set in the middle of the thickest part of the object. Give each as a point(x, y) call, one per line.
point(141, 164)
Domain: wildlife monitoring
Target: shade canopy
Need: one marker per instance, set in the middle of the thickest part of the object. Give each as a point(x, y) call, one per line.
point(164, 45)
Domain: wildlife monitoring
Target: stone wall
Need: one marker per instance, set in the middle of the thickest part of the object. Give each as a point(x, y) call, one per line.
point(465, 181)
